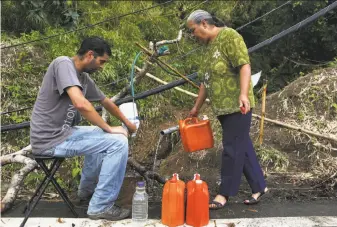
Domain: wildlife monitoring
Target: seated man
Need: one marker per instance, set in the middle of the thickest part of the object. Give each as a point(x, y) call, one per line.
point(64, 96)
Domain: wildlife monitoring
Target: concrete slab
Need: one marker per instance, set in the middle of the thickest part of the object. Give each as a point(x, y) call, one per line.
point(312, 221)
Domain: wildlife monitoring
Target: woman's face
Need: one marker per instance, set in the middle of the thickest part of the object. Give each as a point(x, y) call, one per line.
point(200, 31)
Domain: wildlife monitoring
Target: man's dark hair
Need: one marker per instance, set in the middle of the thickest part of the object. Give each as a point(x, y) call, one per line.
point(96, 44)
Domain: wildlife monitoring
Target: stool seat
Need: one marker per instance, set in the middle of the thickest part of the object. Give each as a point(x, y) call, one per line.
point(43, 157)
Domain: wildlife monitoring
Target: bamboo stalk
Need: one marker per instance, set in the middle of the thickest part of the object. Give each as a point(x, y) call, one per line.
point(164, 82)
point(167, 65)
point(263, 110)
point(328, 137)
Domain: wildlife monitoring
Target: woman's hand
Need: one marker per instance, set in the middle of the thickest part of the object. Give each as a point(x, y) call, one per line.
point(193, 112)
point(244, 104)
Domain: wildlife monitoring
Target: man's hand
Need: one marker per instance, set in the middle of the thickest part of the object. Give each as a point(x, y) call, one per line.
point(118, 130)
point(194, 112)
point(244, 102)
point(131, 127)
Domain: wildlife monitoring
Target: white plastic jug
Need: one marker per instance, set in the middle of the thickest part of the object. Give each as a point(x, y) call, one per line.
point(129, 110)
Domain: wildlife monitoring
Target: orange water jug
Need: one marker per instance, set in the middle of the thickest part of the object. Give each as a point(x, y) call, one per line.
point(196, 134)
point(197, 210)
point(173, 202)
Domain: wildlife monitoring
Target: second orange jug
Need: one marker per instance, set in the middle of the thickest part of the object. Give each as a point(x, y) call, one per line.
point(197, 210)
point(173, 202)
point(196, 134)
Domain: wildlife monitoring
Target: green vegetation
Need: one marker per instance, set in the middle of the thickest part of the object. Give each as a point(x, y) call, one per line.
point(23, 67)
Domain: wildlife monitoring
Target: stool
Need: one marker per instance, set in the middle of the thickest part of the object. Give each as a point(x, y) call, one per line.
point(42, 187)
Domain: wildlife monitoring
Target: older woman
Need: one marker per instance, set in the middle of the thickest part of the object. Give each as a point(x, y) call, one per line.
point(227, 72)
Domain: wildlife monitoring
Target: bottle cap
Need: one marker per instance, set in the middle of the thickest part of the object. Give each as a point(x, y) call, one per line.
point(196, 176)
point(174, 178)
point(141, 184)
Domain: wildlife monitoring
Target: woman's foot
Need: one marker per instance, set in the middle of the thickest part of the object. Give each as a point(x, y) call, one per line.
point(256, 197)
point(218, 202)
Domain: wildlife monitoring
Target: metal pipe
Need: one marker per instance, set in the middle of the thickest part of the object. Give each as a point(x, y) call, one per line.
point(142, 95)
point(169, 130)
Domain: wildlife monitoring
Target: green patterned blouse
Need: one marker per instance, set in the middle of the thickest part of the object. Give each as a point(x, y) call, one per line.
point(221, 72)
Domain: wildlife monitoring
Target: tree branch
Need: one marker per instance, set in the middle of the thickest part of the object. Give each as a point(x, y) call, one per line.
point(328, 137)
point(164, 42)
point(18, 178)
point(145, 173)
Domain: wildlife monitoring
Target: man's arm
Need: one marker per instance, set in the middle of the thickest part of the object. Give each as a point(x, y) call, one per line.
point(202, 95)
point(88, 111)
point(114, 110)
point(245, 74)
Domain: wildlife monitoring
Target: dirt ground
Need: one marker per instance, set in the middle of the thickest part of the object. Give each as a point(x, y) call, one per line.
point(295, 164)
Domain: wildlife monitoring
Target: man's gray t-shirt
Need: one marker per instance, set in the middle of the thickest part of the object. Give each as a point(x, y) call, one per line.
point(54, 114)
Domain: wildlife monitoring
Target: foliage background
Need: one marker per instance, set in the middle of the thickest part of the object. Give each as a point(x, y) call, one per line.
point(23, 67)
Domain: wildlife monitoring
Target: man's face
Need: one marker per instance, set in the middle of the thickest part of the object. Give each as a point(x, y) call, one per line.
point(198, 30)
point(92, 63)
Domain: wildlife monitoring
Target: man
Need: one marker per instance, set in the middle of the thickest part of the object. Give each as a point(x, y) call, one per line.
point(65, 94)
point(227, 73)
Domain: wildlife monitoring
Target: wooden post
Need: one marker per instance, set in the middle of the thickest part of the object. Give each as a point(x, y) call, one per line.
point(263, 110)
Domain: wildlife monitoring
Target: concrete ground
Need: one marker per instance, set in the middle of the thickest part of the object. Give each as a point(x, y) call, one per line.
point(310, 221)
point(320, 212)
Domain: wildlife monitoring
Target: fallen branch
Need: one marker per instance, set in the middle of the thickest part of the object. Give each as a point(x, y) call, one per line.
point(328, 137)
point(17, 179)
point(6, 159)
point(145, 173)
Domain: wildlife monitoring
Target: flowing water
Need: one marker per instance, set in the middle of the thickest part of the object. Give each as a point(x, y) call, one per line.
point(155, 157)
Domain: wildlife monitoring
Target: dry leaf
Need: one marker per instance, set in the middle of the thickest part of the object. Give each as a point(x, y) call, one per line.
point(59, 220)
point(252, 210)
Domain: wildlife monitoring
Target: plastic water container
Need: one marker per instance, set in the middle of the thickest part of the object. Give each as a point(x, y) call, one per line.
point(173, 202)
point(196, 134)
point(197, 210)
point(140, 205)
point(130, 111)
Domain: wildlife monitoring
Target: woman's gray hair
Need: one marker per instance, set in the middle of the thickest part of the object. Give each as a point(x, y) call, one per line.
point(199, 15)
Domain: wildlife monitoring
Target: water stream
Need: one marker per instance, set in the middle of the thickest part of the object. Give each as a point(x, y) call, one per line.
point(155, 157)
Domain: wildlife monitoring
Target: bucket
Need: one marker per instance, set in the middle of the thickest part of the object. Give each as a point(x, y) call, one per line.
point(130, 111)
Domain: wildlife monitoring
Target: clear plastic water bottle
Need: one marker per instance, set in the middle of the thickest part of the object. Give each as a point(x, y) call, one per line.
point(140, 205)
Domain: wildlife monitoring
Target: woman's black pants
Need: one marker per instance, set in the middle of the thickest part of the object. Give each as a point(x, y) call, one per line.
point(238, 155)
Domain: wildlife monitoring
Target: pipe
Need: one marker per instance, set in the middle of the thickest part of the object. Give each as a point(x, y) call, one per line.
point(145, 94)
point(169, 130)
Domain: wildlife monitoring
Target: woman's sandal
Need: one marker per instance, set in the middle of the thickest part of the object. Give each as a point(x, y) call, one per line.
point(253, 201)
point(217, 205)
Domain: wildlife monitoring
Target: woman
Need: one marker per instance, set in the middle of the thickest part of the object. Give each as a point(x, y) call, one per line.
point(227, 73)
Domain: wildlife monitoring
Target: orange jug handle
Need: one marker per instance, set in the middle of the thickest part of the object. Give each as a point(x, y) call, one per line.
point(191, 120)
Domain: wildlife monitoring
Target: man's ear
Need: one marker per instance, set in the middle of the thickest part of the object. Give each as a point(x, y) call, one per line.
point(90, 55)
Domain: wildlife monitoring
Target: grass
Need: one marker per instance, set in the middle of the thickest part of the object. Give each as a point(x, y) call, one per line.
point(272, 158)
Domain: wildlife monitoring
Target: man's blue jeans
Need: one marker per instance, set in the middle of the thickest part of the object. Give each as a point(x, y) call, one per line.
point(105, 158)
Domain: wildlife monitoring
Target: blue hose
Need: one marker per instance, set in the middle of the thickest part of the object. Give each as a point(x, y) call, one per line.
point(132, 74)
